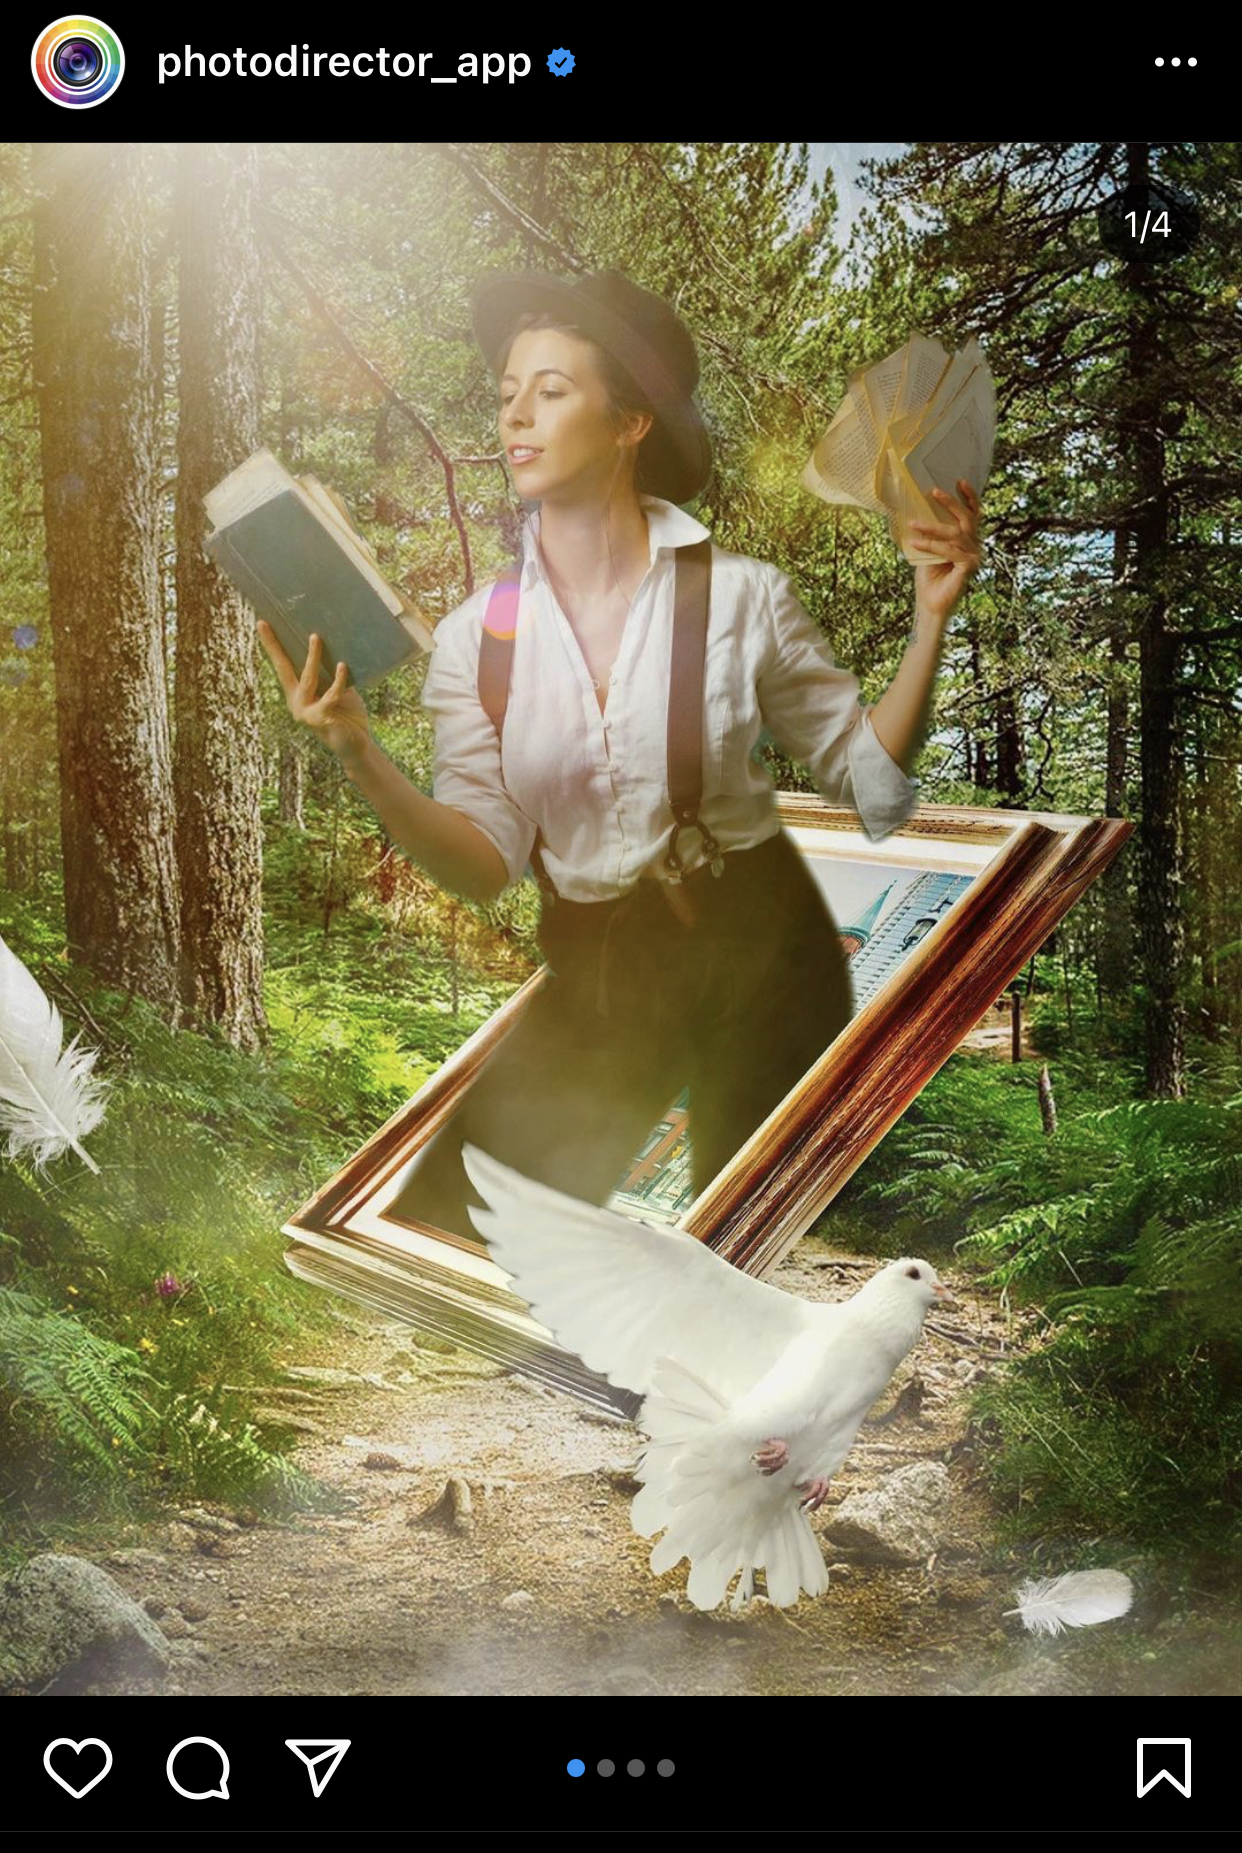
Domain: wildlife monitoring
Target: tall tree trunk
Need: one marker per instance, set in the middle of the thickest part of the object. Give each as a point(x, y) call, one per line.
point(292, 781)
point(98, 398)
point(219, 767)
point(1161, 925)
point(1115, 961)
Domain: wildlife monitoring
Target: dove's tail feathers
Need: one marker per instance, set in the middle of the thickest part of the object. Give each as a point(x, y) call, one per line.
point(676, 1390)
point(678, 1411)
point(722, 1520)
point(793, 1559)
point(719, 1544)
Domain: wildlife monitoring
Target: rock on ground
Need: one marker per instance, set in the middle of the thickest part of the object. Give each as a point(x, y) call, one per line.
point(64, 1619)
point(900, 1520)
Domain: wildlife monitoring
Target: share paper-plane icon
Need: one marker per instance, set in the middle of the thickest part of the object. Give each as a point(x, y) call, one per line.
point(321, 1756)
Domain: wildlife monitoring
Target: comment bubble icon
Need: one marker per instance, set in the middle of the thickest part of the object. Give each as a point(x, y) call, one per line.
point(219, 1793)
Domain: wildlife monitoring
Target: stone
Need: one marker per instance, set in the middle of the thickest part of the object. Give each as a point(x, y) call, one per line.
point(202, 1520)
point(137, 1560)
point(899, 1521)
point(454, 1507)
point(520, 1599)
point(63, 1619)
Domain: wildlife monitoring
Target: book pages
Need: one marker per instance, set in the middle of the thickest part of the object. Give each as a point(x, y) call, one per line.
point(916, 421)
point(843, 463)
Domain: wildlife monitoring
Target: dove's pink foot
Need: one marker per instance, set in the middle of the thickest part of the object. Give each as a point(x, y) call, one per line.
point(771, 1457)
point(816, 1491)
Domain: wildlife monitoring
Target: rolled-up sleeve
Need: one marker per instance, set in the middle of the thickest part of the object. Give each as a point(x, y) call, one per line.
point(812, 709)
point(466, 773)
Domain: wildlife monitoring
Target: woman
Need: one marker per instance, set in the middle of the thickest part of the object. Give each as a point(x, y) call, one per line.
point(730, 976)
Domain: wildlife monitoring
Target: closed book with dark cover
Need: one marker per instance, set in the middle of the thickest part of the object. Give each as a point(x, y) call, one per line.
point(282, 558)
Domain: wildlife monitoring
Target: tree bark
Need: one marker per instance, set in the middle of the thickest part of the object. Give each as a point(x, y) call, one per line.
point(219, 762)
point(292, 782)
point(1161, 925)
point(98, 393)
point(1115, 958)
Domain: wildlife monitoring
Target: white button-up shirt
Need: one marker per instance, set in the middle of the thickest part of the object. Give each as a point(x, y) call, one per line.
point(596, 785)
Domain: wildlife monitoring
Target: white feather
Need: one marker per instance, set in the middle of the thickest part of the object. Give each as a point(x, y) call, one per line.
point(48, 1100)
point(1075, 1600)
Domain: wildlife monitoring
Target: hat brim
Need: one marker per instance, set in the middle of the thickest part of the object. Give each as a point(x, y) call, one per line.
point(677, 452)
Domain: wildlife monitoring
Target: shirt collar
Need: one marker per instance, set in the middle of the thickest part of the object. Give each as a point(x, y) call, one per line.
point(667, 526)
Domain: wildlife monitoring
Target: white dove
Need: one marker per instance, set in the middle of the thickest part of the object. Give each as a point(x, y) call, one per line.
point(752, 1397)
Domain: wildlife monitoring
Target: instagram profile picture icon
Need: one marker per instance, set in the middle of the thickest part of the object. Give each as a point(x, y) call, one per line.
point(77, 61)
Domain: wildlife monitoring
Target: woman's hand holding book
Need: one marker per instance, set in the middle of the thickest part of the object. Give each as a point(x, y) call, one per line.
point(339, 716)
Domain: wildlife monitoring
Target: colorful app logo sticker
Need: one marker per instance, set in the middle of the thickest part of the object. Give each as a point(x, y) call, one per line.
point(77, 61)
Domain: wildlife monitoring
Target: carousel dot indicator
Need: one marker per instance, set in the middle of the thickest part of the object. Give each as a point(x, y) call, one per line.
point(576, 1766)
point(636, 1766)
point(606, 1768)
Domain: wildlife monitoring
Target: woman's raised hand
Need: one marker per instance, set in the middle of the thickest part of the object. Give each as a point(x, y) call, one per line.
point(958, 548)
point(339, 716)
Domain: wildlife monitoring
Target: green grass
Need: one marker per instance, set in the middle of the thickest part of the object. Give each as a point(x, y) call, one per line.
point(1124, 1230)
point(115, 1397)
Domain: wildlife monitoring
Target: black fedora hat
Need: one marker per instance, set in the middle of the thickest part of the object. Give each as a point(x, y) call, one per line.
point(641, 331)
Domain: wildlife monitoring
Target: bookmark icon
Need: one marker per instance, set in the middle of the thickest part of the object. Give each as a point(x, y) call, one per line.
point(321, 1756)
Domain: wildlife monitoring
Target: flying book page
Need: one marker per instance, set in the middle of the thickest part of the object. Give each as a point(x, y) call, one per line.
point(915, 421)
point(289, 546)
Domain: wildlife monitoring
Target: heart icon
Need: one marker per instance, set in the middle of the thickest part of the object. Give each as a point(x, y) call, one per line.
point(77, 1749)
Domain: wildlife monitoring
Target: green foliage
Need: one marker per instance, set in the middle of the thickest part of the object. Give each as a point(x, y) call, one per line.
point(1128, 1424)
point(1125, 1231)
point(114, 1393)
point(91, 1407)
point(199, 1452)
point(67, 1387)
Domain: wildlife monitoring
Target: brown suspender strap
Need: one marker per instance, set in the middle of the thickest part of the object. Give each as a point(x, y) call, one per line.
point(685, 702)
point(685, 705)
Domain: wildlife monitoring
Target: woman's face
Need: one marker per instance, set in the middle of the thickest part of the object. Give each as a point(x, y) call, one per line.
point(554, 418)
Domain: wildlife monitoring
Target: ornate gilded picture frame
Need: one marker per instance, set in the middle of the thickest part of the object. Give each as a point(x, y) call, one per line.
point(936, 920)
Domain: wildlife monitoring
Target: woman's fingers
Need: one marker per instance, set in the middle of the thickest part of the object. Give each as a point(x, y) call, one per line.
point(309, 679)
point(963, 513)
point(277, 656)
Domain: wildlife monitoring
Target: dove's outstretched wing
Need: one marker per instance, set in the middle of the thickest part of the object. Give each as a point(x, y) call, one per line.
point(621, 1294)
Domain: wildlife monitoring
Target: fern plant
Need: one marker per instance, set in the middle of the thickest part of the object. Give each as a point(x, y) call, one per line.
point(216, 1461)
point(75, 1390)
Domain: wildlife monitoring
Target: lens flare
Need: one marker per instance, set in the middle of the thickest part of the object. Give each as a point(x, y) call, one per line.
point(77, 61)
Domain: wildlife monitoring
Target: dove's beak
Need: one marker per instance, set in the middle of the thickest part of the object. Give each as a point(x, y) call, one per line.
point(942, 1293)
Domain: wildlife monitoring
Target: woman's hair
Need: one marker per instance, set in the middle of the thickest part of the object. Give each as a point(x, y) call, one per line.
point(624, 393)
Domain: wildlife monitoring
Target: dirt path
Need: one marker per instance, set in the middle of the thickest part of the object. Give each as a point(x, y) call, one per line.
point(543, 1588)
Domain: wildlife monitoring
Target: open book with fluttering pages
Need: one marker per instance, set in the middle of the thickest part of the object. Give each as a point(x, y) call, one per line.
point(915, 421)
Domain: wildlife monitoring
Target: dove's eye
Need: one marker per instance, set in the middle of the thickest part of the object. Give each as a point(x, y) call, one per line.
point(913, 1274)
